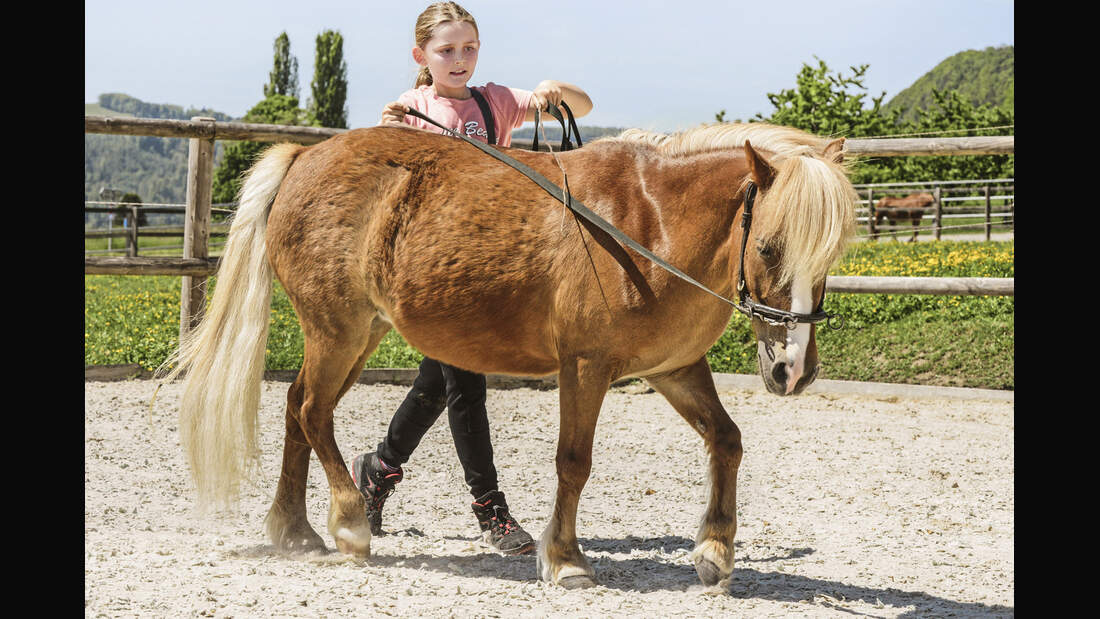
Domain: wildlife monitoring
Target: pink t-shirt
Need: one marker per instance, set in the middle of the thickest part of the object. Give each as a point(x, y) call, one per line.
point(509, 106)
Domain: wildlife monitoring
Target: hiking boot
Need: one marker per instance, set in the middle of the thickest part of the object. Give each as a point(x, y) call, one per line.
point(376, 482)
point(498, 528)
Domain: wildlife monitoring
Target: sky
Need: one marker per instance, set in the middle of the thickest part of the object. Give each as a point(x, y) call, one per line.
point(656, 65)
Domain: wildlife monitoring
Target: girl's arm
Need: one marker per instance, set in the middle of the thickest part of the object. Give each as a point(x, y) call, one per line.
point(555, 92)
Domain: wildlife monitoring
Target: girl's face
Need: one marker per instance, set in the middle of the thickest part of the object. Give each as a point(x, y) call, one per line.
point(451, 56)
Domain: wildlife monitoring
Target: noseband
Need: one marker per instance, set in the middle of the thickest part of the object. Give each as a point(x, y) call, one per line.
point(772, 315)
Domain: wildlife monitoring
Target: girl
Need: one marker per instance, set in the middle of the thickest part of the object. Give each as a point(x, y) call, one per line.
point(447, 47)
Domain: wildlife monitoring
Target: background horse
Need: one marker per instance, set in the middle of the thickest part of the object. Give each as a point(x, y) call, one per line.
point(393, 227)
point(900, 210)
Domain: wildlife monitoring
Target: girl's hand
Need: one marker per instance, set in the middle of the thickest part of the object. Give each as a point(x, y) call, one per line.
point(393, 112)
point(553, 91)
point(548, 91)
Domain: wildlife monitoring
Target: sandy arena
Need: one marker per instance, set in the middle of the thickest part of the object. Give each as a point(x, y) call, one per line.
point(849, 504)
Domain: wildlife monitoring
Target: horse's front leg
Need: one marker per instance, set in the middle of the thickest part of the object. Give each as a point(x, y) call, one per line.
point(582, 384)
point(691, 392)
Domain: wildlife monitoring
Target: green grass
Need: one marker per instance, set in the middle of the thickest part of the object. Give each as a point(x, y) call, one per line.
point(962, 341)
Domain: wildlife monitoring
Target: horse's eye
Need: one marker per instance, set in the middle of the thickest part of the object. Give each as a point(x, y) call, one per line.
point(765, 250)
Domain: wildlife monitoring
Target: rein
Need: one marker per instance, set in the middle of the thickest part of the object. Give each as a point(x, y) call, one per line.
point(770, 315)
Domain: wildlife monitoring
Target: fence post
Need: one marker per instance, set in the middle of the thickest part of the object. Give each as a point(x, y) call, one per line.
point(936, 194)
point(129, 237)
point(988, 218)
point(196, 225)
point(132, 239)
point(871, 213)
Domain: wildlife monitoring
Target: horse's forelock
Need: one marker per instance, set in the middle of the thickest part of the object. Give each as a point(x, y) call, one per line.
point(810, 211)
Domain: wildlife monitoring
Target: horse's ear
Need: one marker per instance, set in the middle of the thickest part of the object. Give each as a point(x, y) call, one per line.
point(835, 150)
point(763, 174)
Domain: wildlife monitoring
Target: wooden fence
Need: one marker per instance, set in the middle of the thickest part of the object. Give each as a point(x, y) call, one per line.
point(983, 192)
point(196, 265)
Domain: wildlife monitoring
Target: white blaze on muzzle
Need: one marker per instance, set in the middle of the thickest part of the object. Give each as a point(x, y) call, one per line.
point(798, 339)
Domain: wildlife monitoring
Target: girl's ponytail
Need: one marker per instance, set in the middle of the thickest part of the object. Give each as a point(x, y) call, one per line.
point(426, 23)
point(423, 78)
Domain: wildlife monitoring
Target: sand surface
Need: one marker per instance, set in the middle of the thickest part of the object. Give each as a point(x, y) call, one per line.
point(849, 505)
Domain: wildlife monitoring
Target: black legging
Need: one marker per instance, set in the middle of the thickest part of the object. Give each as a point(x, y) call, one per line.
point(463, 393)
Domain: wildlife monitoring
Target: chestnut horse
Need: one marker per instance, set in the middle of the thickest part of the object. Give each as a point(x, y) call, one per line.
point(900, 210)
point(394, 227)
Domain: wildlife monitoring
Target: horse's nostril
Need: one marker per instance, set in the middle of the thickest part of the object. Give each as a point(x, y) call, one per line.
point(779, 373)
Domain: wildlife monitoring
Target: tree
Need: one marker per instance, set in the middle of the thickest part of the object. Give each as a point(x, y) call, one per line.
point(239, 156)
point(283, 79)
point(830, 104)
point(330, 81)
point(133, 198)
point(951, 114)
point(822, 104)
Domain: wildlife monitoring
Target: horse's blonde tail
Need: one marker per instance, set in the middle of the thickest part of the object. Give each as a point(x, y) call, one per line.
point(222, 359)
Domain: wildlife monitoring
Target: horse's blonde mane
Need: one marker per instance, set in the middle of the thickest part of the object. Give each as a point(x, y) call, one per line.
point(783, 141)
point(811, 238)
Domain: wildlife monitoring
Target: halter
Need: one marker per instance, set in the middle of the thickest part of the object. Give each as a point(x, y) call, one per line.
point(772, 315)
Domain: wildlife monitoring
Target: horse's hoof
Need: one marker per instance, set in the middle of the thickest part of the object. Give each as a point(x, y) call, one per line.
point(304, 544)
point(356, 551)
point(579, 581)
point(708, 572)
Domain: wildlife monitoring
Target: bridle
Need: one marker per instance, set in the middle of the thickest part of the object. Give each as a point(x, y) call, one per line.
point(771, 315)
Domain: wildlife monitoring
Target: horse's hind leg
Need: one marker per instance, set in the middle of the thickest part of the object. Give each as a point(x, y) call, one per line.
point(325, 377)
point(582, 385)
point(691, 392)
point(286, 523)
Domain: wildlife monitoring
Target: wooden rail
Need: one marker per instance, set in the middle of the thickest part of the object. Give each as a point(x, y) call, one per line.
point(207, 130)
point(126, 265)
point(256, 132)
point(976, 286)
point(196, 266)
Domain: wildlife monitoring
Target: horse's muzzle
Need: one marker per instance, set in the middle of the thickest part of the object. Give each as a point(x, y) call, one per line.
point(775, 374)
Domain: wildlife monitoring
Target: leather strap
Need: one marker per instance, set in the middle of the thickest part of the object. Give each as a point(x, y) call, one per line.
point(487, 115)
point(575, 205)
point(556, 113)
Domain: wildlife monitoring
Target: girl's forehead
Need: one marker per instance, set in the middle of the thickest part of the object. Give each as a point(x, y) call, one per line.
point(453, 33)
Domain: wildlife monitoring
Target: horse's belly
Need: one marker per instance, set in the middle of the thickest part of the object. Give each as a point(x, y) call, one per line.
point(481, 334)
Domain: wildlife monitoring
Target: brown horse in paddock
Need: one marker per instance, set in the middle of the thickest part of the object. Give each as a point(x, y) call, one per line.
point(900, 210)
point(393, 227)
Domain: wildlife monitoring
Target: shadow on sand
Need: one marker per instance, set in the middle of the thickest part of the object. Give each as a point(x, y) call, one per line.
point(646, 575)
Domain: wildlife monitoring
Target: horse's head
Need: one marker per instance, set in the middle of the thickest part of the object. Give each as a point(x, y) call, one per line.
point(803, 216)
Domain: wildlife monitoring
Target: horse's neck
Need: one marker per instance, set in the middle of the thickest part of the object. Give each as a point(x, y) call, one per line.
point(694, 199)
point(701, 187)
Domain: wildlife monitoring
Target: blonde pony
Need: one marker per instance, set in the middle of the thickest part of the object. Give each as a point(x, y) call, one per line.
point(432, 17)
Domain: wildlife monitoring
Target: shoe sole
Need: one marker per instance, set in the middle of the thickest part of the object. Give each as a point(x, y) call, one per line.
point(527, 548)
point(523, 550)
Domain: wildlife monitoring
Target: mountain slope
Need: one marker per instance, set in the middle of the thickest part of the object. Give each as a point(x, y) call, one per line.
point(154, 168)
point(983, 77)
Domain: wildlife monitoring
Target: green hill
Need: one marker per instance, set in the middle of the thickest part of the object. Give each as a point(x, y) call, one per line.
point(153, 168)
point(982, 77)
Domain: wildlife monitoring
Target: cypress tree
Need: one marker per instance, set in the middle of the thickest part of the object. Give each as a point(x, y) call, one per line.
point(283, 79)
point(330, 81)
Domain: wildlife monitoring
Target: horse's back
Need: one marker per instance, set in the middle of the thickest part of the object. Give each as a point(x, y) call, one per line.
point(443, 241)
